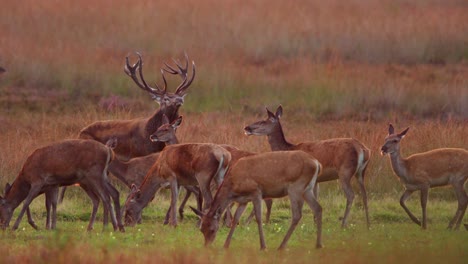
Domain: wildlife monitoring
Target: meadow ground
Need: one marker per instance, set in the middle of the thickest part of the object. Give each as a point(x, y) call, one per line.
point(338, 69)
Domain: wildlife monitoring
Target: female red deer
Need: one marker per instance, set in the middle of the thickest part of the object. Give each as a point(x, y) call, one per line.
point(341, 158)
point(64, 163)
point(421, 171)
point(266, 175)
point(192, 164)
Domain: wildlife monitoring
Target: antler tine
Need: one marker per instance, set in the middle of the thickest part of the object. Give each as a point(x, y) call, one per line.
point(164, 79)
point(131, 71)
point(185, 84)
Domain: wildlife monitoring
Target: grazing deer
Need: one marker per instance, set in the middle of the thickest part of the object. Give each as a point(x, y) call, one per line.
point(64, 163)
point(192, 164)
point(341, 158)
point(133, 135)
point(133, 172)
point(266, 175)
point(438, 167)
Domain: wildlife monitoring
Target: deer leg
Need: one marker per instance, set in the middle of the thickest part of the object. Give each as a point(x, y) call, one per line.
point(240, 209)
point(116, 212)
point(51, 207)
point(33, 192)
point(257, 204)
point(228, 218)
point(405, 197)
point(424, 194)
point(205, 192)
point(184, 201)
point(30, 219)
point(296, 209)
point(462, 205)
point(268, 205)
point(62, 194)
point(346, 185)
point(174, 194)
point(95, 201)
point(317, 209)
point(364, 195)
point(250, 217)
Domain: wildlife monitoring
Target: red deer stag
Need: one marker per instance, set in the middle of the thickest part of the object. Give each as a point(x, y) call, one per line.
point(438, 167)
point(2, 70)
point(133, 135)
point(179, 165)
point(64, 163)
point(341, 158)
point(266, 175)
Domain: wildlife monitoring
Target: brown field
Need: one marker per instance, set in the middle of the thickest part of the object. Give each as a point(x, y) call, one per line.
point(339, 69)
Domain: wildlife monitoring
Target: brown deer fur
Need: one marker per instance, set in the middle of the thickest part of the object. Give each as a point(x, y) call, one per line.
point(266, 175)
point(64, 163)
point(341, 158)
point(179, 165)
point(438, 167)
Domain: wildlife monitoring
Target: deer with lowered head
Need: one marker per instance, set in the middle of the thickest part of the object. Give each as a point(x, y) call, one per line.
point(133, 172)
point(422, 171)
point(191, 164)
point(167, 133)
point(60, 164)
point(341, 158)
point(133, 135)
point(266, 175)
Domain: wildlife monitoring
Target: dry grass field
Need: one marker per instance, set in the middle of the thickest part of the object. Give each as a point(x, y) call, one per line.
point(338, 68)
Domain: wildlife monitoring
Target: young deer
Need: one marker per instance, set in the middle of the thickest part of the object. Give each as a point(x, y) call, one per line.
point(64, 163)
point(266, 175)
point(178, 165)
point(438, 167)
point(133, 135)
point(133, 172)
point(341, 158)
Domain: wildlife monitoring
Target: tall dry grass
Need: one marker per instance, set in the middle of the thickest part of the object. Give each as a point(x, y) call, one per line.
point(362, 59)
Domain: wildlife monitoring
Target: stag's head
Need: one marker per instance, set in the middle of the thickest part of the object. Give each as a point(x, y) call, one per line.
point(132, 214)
point(392, 141)
point(166, 132)
point(6, 211)
point(267, 126)
point(161, 95)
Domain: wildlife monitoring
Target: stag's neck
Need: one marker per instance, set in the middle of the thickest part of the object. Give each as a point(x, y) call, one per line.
point(119, 169)
point(18, 192)
point(278, 141)
point(399, 165)
point(172, 112)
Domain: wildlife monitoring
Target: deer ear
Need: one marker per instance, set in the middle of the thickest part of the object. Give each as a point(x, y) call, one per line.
point(270, 114)
point(391, 130)
point(279, 112)
point(177, 122)
point(199, 213)
point(403, 134)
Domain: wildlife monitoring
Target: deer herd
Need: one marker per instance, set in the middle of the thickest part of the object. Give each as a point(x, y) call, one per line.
point(145, 155)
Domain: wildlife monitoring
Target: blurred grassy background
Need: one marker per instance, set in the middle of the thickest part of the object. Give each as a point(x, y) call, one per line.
point(361, 59)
